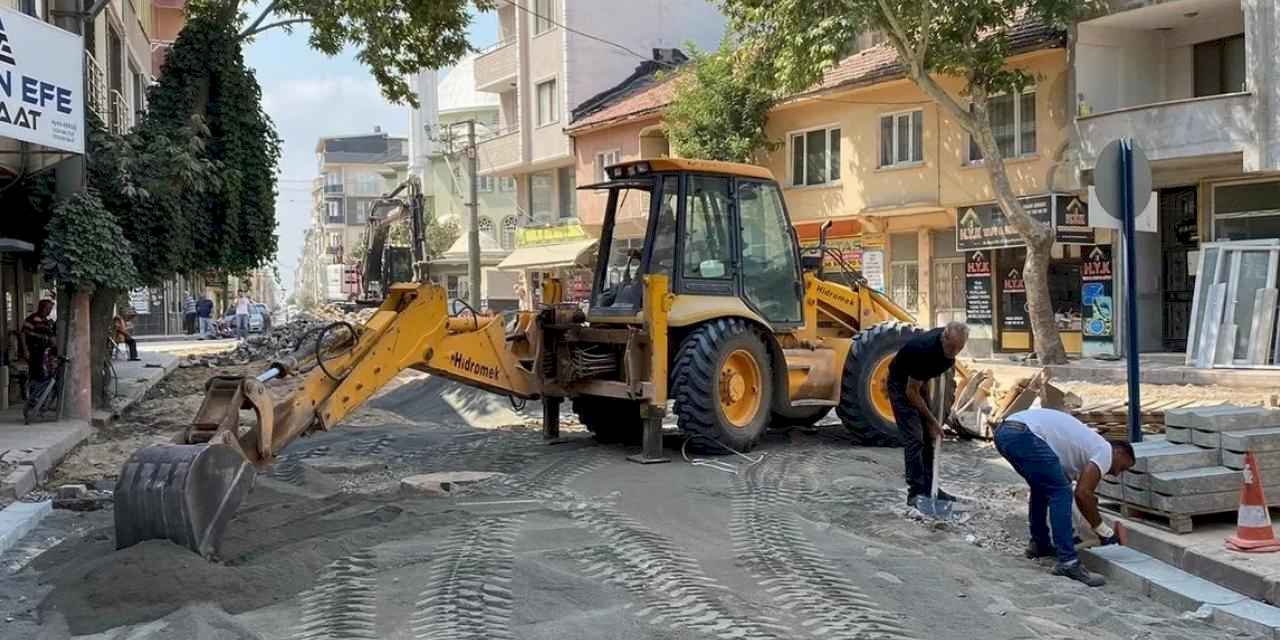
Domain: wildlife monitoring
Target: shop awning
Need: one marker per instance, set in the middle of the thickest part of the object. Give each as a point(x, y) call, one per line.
point(564, 254)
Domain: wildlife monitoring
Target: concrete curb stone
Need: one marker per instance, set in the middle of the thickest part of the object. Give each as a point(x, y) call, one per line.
point(18, 519)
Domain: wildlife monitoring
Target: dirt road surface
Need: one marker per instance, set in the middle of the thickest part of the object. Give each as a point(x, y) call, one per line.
point(809, 538)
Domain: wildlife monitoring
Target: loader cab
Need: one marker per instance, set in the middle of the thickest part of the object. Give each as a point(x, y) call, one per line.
point(716, 229)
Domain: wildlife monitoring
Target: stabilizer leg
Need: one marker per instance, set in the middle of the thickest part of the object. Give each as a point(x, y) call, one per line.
point(651, 446)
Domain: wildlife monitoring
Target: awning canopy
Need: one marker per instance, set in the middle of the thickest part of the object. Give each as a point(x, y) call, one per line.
point(550, 256)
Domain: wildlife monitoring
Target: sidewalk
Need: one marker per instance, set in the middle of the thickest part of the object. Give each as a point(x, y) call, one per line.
point(1154, 368)
point(134, 379)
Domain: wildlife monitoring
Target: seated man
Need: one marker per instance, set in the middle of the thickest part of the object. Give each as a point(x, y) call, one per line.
point(1050, 450)
point(120, 333)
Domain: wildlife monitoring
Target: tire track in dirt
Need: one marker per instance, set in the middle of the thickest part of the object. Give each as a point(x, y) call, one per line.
point(468, 594)
point(343, 605)
point(770, 543)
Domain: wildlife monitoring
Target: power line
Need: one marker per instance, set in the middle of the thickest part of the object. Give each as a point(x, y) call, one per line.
point(589, 36)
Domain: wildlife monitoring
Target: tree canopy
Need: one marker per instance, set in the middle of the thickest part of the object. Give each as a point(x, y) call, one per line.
point(395, 38)
point(719, 108)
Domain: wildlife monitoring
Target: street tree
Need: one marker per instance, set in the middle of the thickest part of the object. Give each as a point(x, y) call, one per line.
point(395, 38)
point(799, 40)
point(719, 108)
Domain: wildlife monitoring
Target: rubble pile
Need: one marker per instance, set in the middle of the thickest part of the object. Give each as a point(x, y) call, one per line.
point(279, 341)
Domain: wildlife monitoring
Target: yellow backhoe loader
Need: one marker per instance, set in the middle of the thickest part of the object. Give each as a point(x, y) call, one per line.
point(701, 295)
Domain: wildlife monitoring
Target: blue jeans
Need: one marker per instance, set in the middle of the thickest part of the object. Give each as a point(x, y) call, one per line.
point(242, 325)
point(1051, 494)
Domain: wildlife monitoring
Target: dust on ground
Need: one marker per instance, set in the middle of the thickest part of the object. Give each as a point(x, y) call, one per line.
point(1093, 393)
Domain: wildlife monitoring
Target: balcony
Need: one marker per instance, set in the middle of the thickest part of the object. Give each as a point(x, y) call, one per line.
point(121, 114)
point(499, 153)
point(1209, 126)
point(495, 68)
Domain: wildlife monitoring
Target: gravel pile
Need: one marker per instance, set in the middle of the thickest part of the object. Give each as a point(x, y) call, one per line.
point(279, 341)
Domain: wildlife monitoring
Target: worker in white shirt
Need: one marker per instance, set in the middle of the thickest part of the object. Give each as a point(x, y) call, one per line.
point(1050, 450)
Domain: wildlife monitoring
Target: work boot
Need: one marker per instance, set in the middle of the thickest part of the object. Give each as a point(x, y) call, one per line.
point(943, 495)
point(1036, 550)
point(1077, 572)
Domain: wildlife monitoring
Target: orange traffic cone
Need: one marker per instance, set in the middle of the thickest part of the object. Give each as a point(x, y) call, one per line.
point(1253, 528)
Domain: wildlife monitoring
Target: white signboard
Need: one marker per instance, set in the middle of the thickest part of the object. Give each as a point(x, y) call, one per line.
point(873, 269)
point(140, 301)
point(41, 83)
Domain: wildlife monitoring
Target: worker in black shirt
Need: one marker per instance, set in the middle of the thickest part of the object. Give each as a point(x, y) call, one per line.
point(923, 358)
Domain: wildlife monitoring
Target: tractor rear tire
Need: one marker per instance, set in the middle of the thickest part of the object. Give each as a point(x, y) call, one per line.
point(799, 416)
point(610, 420)
point(864, 396)
point(723, 387)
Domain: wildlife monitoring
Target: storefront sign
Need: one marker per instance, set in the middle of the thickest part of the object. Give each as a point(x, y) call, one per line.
point(1071, 220)
point(140, 301)
point(873, 269)
point(1013, 307)
point(977, 298)
point(1097, 294)
point(550, 235)
point(985, 226)
point(849, 249)
point(41, 83)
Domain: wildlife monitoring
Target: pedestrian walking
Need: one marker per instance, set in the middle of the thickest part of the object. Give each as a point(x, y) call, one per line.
point(921, 359)
point(243, 304)
point(121, 332)
point(204, 312)
point(189, 314)
point(37, 339)
point(1050, 450)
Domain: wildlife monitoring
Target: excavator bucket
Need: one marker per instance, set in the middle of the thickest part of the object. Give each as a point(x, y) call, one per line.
point(183, 493)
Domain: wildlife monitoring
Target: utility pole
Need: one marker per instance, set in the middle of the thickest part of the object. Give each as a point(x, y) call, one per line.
point(473, 229)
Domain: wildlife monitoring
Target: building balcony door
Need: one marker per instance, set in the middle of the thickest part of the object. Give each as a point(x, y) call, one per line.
point(1179, 238)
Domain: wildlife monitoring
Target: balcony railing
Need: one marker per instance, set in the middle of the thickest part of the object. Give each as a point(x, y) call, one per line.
point(1212, 125)
point(121, 114)
point(499, 152)
point(97, 81)
point(333, 250)
point(495, 69)
point(333, 188)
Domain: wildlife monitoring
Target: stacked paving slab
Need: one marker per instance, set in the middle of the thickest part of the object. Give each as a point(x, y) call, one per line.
point(1196, 467)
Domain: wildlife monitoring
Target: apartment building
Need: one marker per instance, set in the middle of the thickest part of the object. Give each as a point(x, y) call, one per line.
point(1196, 83)
point(553, 55)
point(438, 141)
point(354, 172)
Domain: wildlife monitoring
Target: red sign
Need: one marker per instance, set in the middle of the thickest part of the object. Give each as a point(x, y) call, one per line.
point(978, 265)
point(1013, 282)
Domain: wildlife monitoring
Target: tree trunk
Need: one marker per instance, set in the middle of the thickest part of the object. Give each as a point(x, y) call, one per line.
point(101, 313)
point(1035, 274)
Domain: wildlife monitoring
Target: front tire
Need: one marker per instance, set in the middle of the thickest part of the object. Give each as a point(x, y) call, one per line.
point(723, 386)
point(864, 405)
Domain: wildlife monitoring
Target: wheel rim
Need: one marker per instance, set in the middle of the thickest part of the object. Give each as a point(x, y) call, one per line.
point(740, 388)
point(879, 388)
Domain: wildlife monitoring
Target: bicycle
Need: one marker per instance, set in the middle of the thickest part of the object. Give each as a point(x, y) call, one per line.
point(110, 381)
point(43, 395)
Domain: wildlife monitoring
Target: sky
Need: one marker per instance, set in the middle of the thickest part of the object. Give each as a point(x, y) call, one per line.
point(310, 95)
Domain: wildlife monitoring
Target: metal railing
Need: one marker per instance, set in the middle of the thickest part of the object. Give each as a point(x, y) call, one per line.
point(121, 114)
point(97, 86)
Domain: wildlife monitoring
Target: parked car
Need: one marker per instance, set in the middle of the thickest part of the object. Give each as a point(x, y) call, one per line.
point(259, 318)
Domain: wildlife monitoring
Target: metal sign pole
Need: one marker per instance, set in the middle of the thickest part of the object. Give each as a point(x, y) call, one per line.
point(1130, 290)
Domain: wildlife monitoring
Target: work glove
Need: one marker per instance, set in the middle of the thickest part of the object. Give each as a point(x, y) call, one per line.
point(1106, 535)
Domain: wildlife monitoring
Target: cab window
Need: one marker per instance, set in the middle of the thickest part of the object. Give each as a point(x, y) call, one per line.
point(708, 252)
point(769, 270)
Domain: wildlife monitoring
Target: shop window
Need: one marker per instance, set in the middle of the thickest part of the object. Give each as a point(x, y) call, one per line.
point(902, 138)
point(815, 157)
point(1220, 66)
point(904, 284)
point(1246, 211)
point(1013, 122)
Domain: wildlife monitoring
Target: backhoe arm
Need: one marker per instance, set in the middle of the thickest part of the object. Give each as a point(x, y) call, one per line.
point(188, 491)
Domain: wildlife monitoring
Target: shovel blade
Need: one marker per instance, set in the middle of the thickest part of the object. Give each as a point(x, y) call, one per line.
point(934, 507)
point(186, 494)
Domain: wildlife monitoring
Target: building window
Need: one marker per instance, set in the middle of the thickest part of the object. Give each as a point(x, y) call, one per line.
point(544, 15)
point(484, 184)
point(486, 227)
point(1014, 124)
point(367, 184)
point(902, 138)
point(1219, 66)
point(606, 159)
point(507, 183)
point(540, 196)
point(335, 239)
point(360, 211)
point(568, 193)
point(509, 233)
point(815, 157)
point(904, 278)
point(334, 211)
point(1246, 211)
point(333, 182)
point(548, 103)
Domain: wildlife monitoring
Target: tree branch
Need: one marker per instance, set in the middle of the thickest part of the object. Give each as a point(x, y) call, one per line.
point(915, 69)
point(262, 16)
point(268, 27)
point(926, 15)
